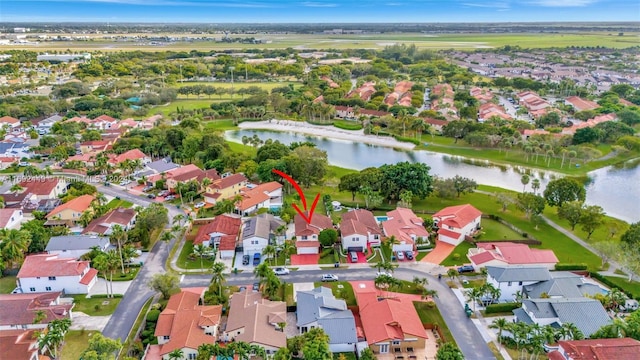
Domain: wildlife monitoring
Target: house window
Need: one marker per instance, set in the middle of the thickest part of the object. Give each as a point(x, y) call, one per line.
point(48, 288)
point(509, 283)
point(52, 278)
point(520, 283)
point(192, 356)
point(32, 289)
point(396, 342)
point(166, 337)
point(384, 348)
point(303, 329)
point(304, 238)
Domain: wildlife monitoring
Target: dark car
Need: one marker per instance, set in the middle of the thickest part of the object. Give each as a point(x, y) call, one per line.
point(465, 269)
point(409, 255)
point(151, 196)
point(256, 287)
point(245, 260)
point(256, 259)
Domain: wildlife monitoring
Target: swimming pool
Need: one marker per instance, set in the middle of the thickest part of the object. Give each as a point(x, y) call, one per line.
point(382, 218)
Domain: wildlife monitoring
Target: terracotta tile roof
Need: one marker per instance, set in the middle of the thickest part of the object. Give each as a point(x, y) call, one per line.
point(307, 244)
point(228, 242)
point(51, 265)
point(319, 222)
point(88, 277)
point(458, 216)
point(512, 253)
point(364, 217)
point(9, 119)
point(257, 195)
point(6, 159)
point(351, 227)
point(119, 216)
point(258, 317)
point(104, 118)
point(436, 122)
point(378, 113)
point(39, 186)
point(601, 349)
point(581, 104)
point(229, 181)
point(79, 204)
point(449, 233)
point(223, 224)
point(183, 320)
point(18, 344)
point(6, 215)
point(20, 309)
point(390, 319)
point(185, 173)
point(404, 225)
point(134, 154)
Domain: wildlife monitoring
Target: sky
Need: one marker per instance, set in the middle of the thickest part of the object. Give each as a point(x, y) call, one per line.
point(317, 11)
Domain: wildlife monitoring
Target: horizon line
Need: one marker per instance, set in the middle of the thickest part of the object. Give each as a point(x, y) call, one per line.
point(322, 23)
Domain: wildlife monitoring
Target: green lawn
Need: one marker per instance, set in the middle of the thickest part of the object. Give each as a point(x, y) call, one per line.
point(220, 124)
point(75, 342)
point(494, 230)
point(116, 203)
point(421, 255)
point(185, 262)
point(633, 287)
point(603, 233)
point(347, 356)
point(288, 294)
point(268, 86)
point(7, 284)
point(95, 307)
point(129, 274)
point(342, 290)
point(459, 255)
point(431, 315)
point(473, 283)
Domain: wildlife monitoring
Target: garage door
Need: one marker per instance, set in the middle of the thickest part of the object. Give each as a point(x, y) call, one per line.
point(356, 249)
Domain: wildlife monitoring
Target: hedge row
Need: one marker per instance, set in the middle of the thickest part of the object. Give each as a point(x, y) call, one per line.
point(569, 267)
point(501, 308)
point(104, 296)
point(347, 125)
point(406, 139)
point(610, 284)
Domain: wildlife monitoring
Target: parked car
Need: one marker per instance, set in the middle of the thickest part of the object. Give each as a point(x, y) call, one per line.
point(151, 196)
point(281, 271)
point(256, 259)
point(170, 197)
point(125, 182)
point(465, 269)
point(245, 260)
point(23, 163)
point(163, 193)
point(199, 205)
point(329, 277)
point(400, 255)
point(409, 255)
point(147, 188)
point(383, 273)
point(256, 287)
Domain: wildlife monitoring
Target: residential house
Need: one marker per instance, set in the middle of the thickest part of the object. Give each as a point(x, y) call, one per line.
point(10, 218)
point(490, 110)
point(69, 212)
point(563, 284)
point(405, 227)
point(256, 321)
point(436, 124)
point(9, 123)
point(580, 104)
point(183, 174)
point(319, 308)
point(18, 311)
point(184, 325)
point(511, 279)
point(392, 326)
point(44, 126)
point(6, 161)
point(596, 349)
point(222, 234)
point(74, 246)
point(508, 253)
point(47, 273)
point(480, 94)
point(226, 187)
point(307, 233)
point(587, 315)
point(457, 222)
point(258, 232)
point(589, 123)
point(104, 122)
point(94, 146)
point(20, 345)
point(345, 112)
point(44, 188)
point(133, 155)
point(263, 196)
point(359, 230)
point(161, 166)
point(125, 218)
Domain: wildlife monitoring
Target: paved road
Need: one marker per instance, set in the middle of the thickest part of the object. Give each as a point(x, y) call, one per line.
point(139, 292)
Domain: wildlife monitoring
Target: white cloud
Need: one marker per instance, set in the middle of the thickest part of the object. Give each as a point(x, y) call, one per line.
point(232, 4)
point(318, 4)
point(489, 5)
point(562, 3)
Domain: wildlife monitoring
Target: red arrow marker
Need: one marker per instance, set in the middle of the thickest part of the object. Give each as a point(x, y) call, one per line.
point(306, 211)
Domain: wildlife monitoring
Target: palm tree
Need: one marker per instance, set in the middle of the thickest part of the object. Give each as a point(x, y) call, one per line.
point(262, 271)
point(16, 188)
point(166, 236)
point(218, 275)
point(271, 284)
point(200, 250)
point(500, 324)
point(14, 244)
point(269, 251)
point(107, 263)
point(573, 332)
point(524, 180)
point(535, 185)
point(178, 219)
point(475, 294)
point(176, 354)
point(53, 338)
point(39, 316)
point(452, 273)
point(119, 237)
point(129, 252)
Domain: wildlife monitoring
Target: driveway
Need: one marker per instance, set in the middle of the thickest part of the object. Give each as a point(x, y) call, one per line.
point(82, 321)
point(439, 253)
point(100, 287)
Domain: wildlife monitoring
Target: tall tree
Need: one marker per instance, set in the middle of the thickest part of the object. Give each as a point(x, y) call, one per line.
point(531, 204)
point(217, 269)
point(351, 183)
point(13, 246)
point(167, 284)
point(119, 237)
point(463, 185)
point(571, 211)
point(563, 190)
point(591, 219)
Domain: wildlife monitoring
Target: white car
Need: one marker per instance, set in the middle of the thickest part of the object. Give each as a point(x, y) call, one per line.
point(400, 255)
point(199, 205)
point(281, 271)
point(383, 273)
point(329, 277)
point(125, 182)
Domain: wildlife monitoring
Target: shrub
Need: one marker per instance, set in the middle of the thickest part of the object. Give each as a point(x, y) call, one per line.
point(97, 307)
point(456, 257)
point(153, 315)
point(568, 267)
point(501, 308)
point(347, 125)
point(104, 296)
point(407, 139)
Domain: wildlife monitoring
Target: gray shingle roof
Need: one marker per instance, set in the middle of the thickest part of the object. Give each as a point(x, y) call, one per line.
point(563, 284)
point(76, 242)
point(519, 273)
point(260, 226)
point(588, 315)
point(162, 165)
point(332, 314)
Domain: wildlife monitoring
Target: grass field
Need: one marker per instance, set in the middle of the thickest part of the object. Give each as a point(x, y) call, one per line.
point(75, 342)
point(341, 290)
point(633, 287)
point(603, 233)
point(459, 255)
point(115, 203)
point(185, 262)
point(95, 307)
point(268, 86)
point(7, 284)
point(369, 41)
